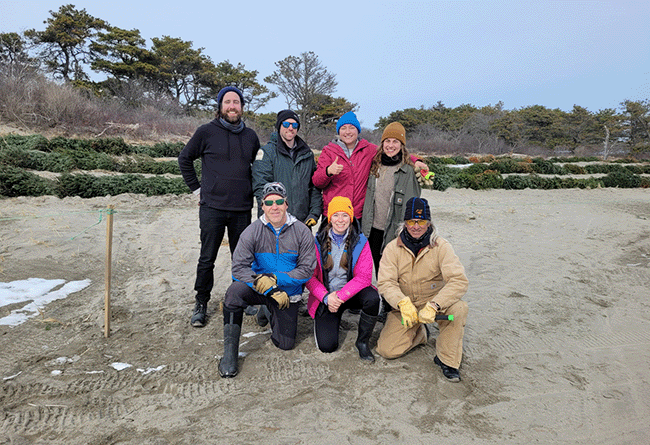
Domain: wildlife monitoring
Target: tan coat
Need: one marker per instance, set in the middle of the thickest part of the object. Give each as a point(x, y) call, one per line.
point(437, 275)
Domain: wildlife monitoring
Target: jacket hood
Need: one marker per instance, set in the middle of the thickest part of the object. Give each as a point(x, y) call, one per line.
point(290, 220)
point(301, 145)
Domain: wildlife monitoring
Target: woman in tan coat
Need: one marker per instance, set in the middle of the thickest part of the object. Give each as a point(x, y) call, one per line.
point(420, 276)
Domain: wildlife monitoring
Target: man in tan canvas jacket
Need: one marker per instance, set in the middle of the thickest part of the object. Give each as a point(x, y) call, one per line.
point(420, 276)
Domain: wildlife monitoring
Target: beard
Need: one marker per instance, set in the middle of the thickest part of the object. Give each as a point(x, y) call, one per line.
point(232, 119)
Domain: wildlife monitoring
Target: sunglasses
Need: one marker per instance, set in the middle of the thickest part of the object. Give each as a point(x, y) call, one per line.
point(419, 222)
point(290, 124)
point(269, 202)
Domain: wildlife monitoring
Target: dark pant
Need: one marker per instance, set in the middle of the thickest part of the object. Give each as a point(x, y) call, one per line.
point(213, 225)
point(284, 322)
point(326, 323)
point(375, 240)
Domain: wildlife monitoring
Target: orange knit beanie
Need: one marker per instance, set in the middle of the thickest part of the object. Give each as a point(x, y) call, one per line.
point(340, 204)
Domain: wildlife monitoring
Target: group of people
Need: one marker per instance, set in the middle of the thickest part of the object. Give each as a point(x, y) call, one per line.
point(373, 219)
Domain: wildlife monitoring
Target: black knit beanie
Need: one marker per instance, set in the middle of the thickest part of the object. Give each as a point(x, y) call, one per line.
point(283, 116)
point(417, 208)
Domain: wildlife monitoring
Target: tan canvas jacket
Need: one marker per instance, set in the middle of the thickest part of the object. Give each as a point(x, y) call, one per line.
point(435, 275)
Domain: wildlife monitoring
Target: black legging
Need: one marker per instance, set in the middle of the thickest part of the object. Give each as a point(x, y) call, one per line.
point(375, 240)
point(326, 323)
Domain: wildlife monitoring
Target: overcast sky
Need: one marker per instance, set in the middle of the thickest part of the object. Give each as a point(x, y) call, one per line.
point(389, 56)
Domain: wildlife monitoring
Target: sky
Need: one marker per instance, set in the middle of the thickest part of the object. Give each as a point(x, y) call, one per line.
point(389, 56)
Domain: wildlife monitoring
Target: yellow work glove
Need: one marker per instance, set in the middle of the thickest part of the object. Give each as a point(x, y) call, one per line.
point(311, 222)
point(409, 312)
point(263, 282)
point(427, 314)
point(281, 297)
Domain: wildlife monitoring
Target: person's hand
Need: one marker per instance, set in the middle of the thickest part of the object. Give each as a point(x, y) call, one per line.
point(427, 314)
point(263, 282)
point(409, 312)
point(422, 167)
point(334, 168)
point(333, 302)
point(311, 222)
point(281, 297)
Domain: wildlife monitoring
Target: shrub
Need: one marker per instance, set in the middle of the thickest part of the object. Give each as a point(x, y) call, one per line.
point(167, 149)
point(442, 182)
point(475, 169)
point(544, 167)
point(88, 186)
point(575, 169)
point(114, 146)
point(622, 179)
point(487, 179)
point(459, 160)
point(17, 182)
point(32, 142)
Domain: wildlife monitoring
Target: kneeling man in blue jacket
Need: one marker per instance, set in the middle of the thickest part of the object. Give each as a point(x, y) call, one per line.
point(273, 260)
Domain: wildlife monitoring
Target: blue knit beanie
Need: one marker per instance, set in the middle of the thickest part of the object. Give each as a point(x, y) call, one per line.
point(223, 92)
point(348, 118)
point(417, 208)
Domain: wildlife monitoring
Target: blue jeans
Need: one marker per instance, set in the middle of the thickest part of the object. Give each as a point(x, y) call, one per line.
point(213, 224)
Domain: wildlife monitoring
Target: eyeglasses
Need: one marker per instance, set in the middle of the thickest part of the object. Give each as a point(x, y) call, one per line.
point(290, 124)
point(419, 222)
point(269, 202)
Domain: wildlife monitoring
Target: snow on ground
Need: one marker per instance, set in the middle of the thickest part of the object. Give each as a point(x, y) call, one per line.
point(35, 293)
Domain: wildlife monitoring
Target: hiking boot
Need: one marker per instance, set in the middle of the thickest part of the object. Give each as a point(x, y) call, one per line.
point(450, 373)
point(199, 318)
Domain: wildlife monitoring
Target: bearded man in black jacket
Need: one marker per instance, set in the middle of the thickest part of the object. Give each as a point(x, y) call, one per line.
point(227, 149)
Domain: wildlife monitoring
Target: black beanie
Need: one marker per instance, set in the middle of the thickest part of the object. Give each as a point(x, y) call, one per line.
point(417, 208)
point(283, 116)
point(223, 92)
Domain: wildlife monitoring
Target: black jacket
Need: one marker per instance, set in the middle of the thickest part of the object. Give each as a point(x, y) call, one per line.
point(226, 160)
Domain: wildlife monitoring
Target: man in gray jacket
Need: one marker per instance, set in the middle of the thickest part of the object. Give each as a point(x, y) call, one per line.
point(273, 260)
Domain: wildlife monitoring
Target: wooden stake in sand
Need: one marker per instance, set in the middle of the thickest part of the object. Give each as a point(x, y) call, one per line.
point(107, 277)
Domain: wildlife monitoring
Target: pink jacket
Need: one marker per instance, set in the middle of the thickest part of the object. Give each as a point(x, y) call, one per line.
point(362, 278)
point(352, 180)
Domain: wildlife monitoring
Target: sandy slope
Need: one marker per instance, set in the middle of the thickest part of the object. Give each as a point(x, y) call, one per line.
point(556, 346)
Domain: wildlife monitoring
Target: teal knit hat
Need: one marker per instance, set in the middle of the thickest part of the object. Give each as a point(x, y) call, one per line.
point(348, 118)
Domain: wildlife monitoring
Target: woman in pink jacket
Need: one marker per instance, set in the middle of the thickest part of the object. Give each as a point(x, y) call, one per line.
point(342, 279)
point(344, 165)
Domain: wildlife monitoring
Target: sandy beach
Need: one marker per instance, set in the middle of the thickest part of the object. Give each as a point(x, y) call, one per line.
point(556, 348)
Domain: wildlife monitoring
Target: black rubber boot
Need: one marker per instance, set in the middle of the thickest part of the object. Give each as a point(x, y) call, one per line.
point(366, 325)
point(231, 331)
point(199, 317)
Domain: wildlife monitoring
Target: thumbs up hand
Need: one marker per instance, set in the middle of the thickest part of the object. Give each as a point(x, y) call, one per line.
point(334, 168)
